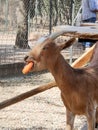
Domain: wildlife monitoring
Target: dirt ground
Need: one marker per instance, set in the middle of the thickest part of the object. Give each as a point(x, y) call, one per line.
point(44, 111)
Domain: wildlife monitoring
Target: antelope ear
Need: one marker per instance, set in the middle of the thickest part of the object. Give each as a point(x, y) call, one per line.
point(67, 44)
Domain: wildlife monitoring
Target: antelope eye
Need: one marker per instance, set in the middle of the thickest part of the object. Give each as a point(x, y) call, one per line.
point(46, 47)
point(33, 58)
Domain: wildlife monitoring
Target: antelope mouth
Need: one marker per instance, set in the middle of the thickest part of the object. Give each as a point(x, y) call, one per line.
point(28, 67)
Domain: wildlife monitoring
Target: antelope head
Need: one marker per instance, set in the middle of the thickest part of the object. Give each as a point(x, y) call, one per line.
point(46, 51)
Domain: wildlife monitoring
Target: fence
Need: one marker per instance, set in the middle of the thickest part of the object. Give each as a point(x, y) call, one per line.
point(42, 15)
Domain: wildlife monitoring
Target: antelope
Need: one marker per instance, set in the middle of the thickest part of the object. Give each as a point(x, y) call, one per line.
point(78, 86)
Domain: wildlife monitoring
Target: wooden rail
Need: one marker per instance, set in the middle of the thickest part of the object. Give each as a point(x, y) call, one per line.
point(78, 63)
point(83, 32)
point(84, 58)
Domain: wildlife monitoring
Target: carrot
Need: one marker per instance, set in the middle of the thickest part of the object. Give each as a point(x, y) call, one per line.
point(27, 68)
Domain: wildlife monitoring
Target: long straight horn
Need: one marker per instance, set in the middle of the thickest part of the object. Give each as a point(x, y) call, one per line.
point(54, 35)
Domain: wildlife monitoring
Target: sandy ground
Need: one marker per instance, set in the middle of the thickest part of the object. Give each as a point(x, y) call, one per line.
point(44, 111)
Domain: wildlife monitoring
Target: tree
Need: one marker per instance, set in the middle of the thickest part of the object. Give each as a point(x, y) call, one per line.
point(22, 19)
point(61, 14)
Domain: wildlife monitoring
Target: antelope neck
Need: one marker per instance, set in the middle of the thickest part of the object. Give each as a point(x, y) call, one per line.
point(61, 71)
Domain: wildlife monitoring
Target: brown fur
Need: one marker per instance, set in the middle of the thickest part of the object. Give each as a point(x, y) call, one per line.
point(79, 87)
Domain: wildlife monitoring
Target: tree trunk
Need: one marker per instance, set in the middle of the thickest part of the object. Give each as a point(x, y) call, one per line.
point(22, 19)
point(56, 12)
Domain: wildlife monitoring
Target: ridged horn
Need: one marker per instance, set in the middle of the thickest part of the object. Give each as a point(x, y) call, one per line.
point(53, 36)
point(42, 39)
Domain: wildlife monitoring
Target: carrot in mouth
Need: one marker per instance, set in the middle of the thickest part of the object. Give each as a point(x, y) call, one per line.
point(27, 68)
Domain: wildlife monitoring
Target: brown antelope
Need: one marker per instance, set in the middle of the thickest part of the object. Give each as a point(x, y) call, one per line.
point(79, 86)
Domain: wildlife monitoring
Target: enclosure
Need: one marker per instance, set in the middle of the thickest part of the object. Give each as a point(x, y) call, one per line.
point(23, 22)
point(36, 18)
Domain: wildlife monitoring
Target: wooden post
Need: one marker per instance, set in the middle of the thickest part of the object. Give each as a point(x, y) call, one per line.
point(26, 95)
point(84, 58)
point(96, 17)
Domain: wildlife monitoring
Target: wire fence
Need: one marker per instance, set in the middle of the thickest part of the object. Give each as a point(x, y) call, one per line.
point(40, 19)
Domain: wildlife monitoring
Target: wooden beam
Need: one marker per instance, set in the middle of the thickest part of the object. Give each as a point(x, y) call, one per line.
point(27, 95)
point(84, 58)
point(90, 24)
point(83, 32)
point(78, 63)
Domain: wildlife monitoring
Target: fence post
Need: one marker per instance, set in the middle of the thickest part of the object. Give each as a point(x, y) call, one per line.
point(50, 16)
point(6, 15)
point(72, 20)
point(0, 4)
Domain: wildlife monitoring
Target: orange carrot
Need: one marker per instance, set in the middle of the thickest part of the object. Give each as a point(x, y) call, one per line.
point(27, 68)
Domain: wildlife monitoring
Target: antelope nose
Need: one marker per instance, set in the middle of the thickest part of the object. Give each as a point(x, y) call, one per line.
point(26, 57)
